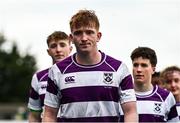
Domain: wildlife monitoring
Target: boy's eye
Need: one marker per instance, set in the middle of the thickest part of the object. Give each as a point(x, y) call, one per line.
point(62, 44)
point(144, 65)
point(135, 65)
point(77, 33)
point(89, 32)
point(53, 45)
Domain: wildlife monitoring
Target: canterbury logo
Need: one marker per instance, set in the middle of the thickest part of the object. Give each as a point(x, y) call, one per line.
point(43, 86)
point(69, 79)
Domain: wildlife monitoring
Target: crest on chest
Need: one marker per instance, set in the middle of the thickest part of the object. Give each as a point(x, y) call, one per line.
point(157, 107)
point(108, 77)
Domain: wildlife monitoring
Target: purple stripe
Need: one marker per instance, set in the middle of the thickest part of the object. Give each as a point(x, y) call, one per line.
point(150, 118)
point(147, 118)
point(155, 97)
point(33, 94)
point(89, 93)
point(75, 68)
point(178, 104)
point(51, 87)
point(41, 74)
point(90, 119)
point(112, 65)
point(164, 93)
point(127, 83)
point(42, 99)
point(173, 113)
point(113, 62)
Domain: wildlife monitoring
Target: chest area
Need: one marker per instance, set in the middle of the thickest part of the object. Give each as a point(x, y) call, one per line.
point(81, 79)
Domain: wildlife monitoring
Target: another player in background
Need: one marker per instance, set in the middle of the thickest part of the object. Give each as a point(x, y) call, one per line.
point(59, 47)
point(89, 86)
point(154, 104)
point(156, 79)
point(171, 78)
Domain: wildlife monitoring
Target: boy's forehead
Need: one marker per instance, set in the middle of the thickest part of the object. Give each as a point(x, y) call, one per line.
point(84, 28)
point(84, 25)
point(140, 58)
point(171, 73)
point(59, 41)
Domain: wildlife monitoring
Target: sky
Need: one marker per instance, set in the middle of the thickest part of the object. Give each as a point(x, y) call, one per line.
point(125, 25)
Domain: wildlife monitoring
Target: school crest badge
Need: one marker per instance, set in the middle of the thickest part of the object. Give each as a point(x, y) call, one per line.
point(157, 107)
point(108, 77)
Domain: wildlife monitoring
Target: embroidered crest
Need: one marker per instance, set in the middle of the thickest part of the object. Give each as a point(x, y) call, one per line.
point(157, 107)
point(108, 77)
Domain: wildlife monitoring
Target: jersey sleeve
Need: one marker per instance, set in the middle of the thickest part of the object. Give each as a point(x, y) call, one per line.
point(34, 99)
point(126, 91)
point(52, 97)
point(171, 104)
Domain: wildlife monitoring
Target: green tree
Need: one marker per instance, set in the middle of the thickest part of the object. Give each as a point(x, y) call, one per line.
point(15, 73)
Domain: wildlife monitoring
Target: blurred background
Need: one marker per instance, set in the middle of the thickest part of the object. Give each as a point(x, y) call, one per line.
point(16, 71)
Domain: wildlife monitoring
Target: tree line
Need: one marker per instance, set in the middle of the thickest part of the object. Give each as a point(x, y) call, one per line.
point(16, 71)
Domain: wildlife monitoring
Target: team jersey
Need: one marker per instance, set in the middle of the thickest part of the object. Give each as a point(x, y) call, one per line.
point(38, 90)
point(157, 106)
point(87, 93)
point(178, 109)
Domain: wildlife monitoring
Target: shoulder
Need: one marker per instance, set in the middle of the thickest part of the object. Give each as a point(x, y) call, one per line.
point(42, 73)
point(62, 65)
point(163, 92)
point(113, 62)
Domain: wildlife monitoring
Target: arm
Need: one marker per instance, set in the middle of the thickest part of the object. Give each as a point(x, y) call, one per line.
point(34, 116)
point(34, 103)
point(130, 112)
point(50, 114)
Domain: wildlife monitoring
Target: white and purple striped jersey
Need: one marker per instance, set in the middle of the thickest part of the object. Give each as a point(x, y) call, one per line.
point(178, 109)
point(156, 106)
point(87, 93)
point(38, 90)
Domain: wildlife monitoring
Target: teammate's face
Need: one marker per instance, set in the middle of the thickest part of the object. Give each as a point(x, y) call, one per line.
point(85, 38)
point(142, 70)
point(59, 50)
point(173, 82)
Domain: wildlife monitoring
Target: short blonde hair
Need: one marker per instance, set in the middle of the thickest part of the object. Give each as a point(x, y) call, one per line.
point(57, 35)
point(85, 18)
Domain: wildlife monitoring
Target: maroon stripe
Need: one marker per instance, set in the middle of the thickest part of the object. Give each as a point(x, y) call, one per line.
point(91, 119)
point(51, 87)
point(173, 113)
point(147, 118)
point(33, 94)
point(127, 83)
point(89, 93)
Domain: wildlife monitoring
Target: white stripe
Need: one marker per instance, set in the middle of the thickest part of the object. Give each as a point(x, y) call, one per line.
point(91, 78)
point(123, 71)
point(34, 83)
point(51, 100)
point(42, 87)
point(34, 104)
point(90, 109)
point(148, 107)
point(178, 110)
point(127, 95)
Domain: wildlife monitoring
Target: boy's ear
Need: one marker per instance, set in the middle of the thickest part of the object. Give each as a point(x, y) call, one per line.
point(48, 52)
point(71, 38)
point(99, 34)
